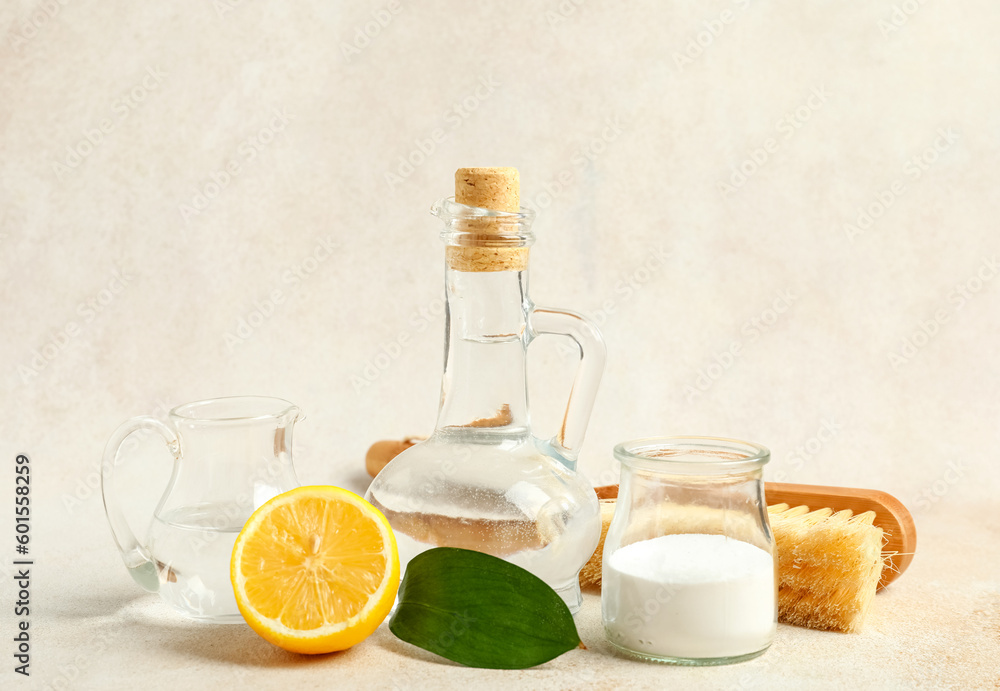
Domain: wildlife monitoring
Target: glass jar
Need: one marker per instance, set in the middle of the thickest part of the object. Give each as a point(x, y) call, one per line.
point(688, 565)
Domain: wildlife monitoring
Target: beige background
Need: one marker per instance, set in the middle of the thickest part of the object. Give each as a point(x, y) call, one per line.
point(865, 348)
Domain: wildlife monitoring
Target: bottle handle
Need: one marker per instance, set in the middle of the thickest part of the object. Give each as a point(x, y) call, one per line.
point(138, 560)
point(565, 445)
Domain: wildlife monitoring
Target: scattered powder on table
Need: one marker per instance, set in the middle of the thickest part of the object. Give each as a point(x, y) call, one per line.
point(690, 596)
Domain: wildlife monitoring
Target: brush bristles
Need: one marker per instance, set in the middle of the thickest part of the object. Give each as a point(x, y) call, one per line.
point(829, 563)
point(829, 566)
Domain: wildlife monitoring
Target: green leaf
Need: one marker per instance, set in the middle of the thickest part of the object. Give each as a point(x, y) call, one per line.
point(481, 611)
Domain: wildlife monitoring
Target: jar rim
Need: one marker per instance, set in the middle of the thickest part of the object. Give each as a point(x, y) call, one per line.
point(692, 455)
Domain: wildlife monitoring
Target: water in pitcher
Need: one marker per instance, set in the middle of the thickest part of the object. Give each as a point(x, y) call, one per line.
point(200, 539)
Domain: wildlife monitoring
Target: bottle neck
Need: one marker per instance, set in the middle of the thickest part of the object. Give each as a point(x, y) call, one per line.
point(483, 390)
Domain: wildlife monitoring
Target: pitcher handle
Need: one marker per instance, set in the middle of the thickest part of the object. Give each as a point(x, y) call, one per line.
point(565, 445)
point(137, 558)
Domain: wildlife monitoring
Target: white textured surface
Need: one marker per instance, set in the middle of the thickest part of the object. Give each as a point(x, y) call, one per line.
point(635, 231)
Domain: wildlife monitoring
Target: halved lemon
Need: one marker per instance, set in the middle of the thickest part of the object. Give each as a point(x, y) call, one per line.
point(315, 569)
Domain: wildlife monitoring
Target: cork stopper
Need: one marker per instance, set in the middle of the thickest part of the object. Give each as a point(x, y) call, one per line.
point(483, 247)
point(497, 189)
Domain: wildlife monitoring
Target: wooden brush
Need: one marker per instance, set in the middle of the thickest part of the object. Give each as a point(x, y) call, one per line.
point(830, 561)
point(381, 452)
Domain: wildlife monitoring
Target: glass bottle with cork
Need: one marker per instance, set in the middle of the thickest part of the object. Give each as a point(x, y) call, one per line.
point(483, 481)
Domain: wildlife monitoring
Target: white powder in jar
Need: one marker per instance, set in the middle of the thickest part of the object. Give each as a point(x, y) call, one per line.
point(690, 596)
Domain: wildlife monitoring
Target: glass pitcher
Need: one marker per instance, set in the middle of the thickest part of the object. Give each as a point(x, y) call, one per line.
point(482, 481)
point(230, 456)
point(688, 565)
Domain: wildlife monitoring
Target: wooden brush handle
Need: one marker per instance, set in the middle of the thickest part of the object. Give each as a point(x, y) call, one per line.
point(890, 515)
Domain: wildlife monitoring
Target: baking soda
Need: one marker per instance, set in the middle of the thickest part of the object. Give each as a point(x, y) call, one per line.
point(690, 596)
